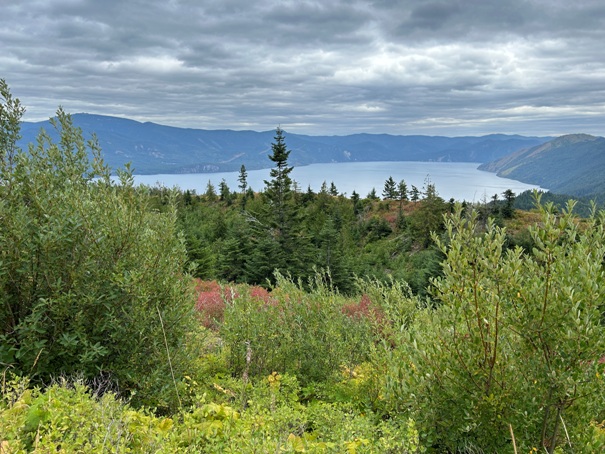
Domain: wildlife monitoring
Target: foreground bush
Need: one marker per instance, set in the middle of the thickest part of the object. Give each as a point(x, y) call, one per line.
point(515, 344)
point(91, 280)
point(69, 418)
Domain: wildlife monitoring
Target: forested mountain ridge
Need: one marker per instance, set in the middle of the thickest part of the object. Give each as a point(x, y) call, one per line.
point(572, 164)
point(154, 148)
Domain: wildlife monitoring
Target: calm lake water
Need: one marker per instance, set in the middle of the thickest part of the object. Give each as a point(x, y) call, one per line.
point(458, 180)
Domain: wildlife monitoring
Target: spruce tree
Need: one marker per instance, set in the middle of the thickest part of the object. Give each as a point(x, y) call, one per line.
point(414, 194)
point(278, 189)
point(402, 190)
point(390, 189)
point(333, 190)
point(508, 209)
point(243, 179)
point(280, 219)
point(225, 193)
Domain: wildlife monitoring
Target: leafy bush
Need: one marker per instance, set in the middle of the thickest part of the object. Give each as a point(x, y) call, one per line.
point(298, 332)
point(67, 417)
point(514, 343)
point(91, 280)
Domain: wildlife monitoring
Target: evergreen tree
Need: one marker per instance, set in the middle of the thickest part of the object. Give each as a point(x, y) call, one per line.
point(372, 195)
point(280, 219)
point(333, 190)
point(324, 188)
point(390, 189)
point(402, 191)
point(402, 194)
point(243, 179)
point(414, 194)
point(428, 217)
point(509, 198)
point(187, 198)
point(235, 251)
point(225, 193)
point(330, 256)
point(356, 203)
point(278, 189)
point(308, 196)
point(210, 193)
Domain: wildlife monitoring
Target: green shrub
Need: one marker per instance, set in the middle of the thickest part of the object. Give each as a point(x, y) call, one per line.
point(67, 418)
point(515, 341)
point(302, 333)
point(91, 280)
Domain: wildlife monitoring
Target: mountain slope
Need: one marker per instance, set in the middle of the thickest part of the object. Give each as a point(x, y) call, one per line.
point(154, 148)
point(572, 164)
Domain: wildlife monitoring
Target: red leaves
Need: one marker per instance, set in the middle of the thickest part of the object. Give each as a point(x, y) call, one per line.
point(212, 298)
point(364, 309)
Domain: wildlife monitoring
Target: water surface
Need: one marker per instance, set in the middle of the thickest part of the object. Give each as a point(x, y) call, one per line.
point(458, 180)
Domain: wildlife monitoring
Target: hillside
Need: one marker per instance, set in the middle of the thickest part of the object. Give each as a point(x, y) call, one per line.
point(572, 164)
point(154, 148)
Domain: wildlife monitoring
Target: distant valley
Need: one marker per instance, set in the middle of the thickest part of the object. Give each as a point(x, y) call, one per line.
point(154, 148)
point(572, 164)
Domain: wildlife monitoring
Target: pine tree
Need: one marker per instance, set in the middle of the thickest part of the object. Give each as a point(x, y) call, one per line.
point(243, 179)
point(402, 191)
point(278, 189)
point(390, 189)
point(333, 190)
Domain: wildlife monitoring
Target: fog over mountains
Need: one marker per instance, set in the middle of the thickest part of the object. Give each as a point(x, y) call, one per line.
point(154, 148)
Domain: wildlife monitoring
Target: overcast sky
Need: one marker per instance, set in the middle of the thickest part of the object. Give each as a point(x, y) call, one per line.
point(452, 67)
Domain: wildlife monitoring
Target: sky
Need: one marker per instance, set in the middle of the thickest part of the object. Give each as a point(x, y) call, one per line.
point(319, 67)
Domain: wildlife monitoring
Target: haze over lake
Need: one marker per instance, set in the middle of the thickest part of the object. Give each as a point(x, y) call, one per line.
point(458, 180)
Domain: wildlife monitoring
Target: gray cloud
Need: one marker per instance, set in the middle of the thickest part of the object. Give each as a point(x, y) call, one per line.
point(404, 67)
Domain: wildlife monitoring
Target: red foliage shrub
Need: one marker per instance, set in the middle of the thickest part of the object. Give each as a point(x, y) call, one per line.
point(262, 294)
point(364, 309)
point(211, 300)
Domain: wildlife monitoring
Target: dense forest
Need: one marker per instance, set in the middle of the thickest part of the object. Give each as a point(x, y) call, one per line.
point(137, 319)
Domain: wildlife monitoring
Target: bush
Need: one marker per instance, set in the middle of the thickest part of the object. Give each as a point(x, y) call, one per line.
point(91, 280)
point(514, 342)
point(68, 417)
point(302, 333)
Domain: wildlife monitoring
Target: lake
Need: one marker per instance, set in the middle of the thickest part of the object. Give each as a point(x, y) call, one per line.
point(458, 180)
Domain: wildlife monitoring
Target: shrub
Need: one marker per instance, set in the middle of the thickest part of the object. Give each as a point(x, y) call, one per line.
point(302, 333)
point(90, 278)
point(514, 341)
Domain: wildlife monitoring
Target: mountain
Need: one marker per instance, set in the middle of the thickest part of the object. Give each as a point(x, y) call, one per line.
point(154, 148)
point(572, 164)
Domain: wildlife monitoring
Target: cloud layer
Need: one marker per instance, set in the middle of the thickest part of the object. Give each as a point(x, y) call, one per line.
point(452, 67)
